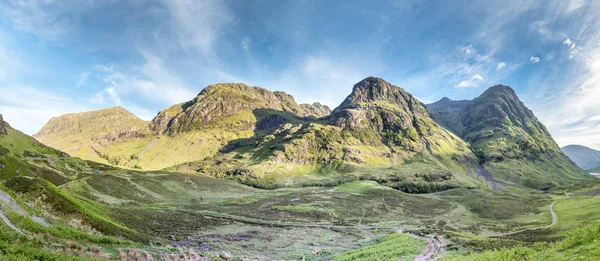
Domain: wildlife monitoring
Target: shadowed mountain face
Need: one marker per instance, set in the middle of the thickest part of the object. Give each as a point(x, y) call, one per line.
point(586, 158)
point(505, 135)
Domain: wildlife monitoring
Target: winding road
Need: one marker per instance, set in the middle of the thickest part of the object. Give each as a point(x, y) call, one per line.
point(554, 221)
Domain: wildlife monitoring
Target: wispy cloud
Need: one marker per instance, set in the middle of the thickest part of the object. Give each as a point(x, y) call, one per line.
point(83, 78)
point(534, 59)
point(151, 81)
point(198, 24)
point(470, 83)
point(500, 66)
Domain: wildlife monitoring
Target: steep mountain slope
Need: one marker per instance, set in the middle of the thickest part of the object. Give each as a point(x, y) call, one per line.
point(379, 132)
point(507, 138)
point(387, 114)
point(22, 155)
point(586, 158)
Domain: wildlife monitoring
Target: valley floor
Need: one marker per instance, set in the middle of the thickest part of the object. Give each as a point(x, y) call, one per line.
point(164, 214)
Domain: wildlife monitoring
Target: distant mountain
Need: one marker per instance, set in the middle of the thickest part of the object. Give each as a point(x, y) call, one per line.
point(507, 138)
point(586, 158)
point(90, 135)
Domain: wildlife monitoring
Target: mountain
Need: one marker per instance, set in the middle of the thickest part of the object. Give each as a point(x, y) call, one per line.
point(380, 132)
point(386, 114)
point(185, 132)
point(586, 158)
point(22, 155)
point(507, 138)
point(233, 106)
point(90, 135)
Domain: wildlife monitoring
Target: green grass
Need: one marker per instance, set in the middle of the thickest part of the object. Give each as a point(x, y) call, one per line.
point(391, 247)
point(581, 243)
point(62, 230)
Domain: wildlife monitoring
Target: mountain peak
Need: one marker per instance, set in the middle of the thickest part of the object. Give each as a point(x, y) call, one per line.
point(500, 89)
point(107, 119)
point(373, 89)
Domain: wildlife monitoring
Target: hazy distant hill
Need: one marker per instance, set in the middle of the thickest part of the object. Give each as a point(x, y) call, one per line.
point(586, 158)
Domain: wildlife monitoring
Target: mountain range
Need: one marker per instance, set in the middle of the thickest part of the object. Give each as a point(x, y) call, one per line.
point(586, 158)
point(379, 132)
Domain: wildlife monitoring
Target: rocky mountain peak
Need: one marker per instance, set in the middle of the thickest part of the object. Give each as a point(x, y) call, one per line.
point(373, 89)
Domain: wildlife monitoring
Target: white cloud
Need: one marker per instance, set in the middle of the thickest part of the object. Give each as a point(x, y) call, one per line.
point(198, 24)
point(150, 82)
point(468, 50)
point(50, 19)
point(574, 49)
point(83, 78)
point(470, 83)
point(534, 59)
point(246, 43)
point(113, 95)
point(98, 98)
point(574, 5)
point(500, 66)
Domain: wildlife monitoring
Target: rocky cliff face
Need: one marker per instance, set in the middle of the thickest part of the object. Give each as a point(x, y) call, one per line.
point(316, 109)
point(234, 106)
point(3, 125)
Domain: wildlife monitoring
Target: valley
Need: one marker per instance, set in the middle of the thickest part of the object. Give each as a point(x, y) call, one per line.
point(243, 173)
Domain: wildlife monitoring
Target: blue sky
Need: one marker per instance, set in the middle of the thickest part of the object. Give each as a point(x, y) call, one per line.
point(70, 56)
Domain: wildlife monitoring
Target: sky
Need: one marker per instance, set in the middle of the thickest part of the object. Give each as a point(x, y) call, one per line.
point(59, 57)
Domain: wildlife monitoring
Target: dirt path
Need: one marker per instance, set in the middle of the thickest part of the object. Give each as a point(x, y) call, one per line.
point(436, 248)
point(554, 221)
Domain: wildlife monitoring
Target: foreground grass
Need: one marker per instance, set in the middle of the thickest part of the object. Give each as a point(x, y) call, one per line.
point(579, 244)
point(391, 247)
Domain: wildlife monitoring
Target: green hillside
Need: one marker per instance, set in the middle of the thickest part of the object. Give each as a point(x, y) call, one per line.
point(509, 141)
point(379, 133)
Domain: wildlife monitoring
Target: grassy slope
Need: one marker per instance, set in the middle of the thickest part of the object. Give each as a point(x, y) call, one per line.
point(20, 152)
point(578, 230)
point(391, 247)
point(508, 139)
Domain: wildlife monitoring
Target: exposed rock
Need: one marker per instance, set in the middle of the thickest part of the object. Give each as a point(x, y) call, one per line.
point(316, 109)
point(233, 106)
point(3, 125)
